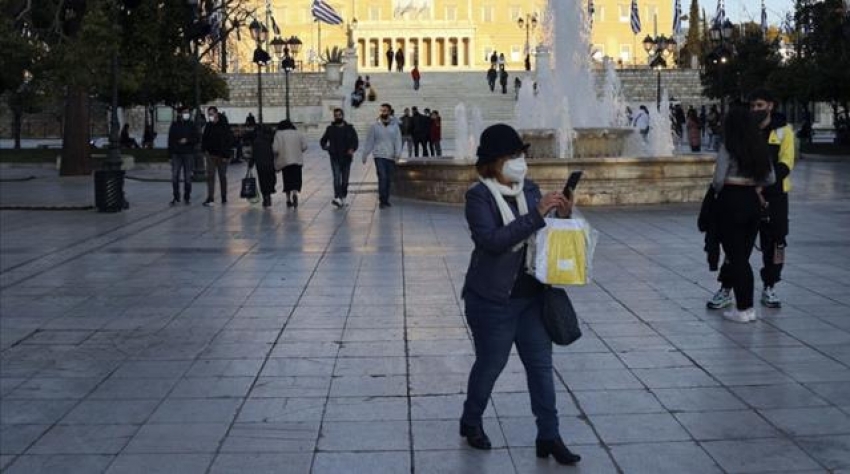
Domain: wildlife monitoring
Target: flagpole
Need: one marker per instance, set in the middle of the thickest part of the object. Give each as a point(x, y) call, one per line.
point(320, 36)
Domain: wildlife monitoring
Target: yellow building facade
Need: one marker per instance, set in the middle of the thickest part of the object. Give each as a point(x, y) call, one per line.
point(454, 34)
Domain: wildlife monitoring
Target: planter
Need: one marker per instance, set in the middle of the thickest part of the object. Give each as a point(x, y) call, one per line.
point(333, 72)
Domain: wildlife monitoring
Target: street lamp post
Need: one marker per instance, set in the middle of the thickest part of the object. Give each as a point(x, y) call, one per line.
point(259, 33)
point(282, 49)
point(719, 34)
point(656, 49)
point(529, 23)
point(199, 171)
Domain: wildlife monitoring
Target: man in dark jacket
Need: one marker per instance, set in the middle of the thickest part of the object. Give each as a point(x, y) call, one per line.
point(182, 138)
point(421, 132)
point(216, 143)
point(340, 140)
point(390, 57)
point(491, 78)
point(399, 60)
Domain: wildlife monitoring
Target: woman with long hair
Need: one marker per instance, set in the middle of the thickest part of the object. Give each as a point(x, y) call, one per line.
point(743, 167)
point(289, 146)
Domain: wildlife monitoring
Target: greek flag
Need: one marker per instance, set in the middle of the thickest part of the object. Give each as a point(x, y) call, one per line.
point(325, 13)
point(635, 20)
point(590, 11)
point(720, 15)
point(763, 18)
point(677, 18)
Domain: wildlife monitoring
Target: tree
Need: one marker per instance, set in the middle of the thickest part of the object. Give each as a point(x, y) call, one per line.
point(79, 38)
point(823, 53)
point(17, 75)
point(693, 42)
point(740, 65)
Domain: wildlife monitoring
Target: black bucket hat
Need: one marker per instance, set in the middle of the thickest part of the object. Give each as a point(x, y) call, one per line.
point(497, 141)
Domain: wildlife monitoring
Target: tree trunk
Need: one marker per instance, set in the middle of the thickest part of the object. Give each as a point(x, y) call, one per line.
point(76, 159)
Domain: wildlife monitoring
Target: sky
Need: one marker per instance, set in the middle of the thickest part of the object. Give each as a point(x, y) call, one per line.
point(746, 10)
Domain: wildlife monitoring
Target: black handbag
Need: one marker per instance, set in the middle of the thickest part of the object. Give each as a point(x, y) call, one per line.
point(559, 317)
point(249, 185)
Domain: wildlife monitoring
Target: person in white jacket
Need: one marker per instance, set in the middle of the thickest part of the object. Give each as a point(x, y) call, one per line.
point(383, 141)
point(289, 146)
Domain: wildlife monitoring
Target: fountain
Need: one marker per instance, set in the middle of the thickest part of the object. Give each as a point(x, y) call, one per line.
point(570, 126)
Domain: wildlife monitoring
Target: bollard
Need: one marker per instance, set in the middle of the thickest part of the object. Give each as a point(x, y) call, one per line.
point(109, 190)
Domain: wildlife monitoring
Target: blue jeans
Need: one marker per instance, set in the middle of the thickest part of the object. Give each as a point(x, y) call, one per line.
point(341, 168)
point(495, 329)
point(185, 162)
point(385, 169)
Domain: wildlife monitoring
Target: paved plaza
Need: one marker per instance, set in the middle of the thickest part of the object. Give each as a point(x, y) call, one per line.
point(237, 339)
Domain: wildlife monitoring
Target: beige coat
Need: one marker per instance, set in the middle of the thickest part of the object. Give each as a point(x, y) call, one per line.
point(288, 146)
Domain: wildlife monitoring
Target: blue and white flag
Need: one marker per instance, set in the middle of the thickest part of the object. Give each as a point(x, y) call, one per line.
point(720, 14)
point(763, 18)
point(635, 18)
point(677, 18)
point(325, 13)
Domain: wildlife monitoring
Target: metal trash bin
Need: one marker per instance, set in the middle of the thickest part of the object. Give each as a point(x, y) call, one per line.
point(109, 190)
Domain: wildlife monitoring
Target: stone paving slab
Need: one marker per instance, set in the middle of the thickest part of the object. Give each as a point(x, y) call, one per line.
point(239, 339)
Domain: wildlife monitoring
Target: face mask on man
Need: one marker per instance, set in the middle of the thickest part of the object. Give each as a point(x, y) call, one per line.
point(514, 170)
point(187, 116)
point(760, 115)
point(212, 117)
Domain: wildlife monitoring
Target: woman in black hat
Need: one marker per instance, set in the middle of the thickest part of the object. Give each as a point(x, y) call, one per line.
point(503, 302)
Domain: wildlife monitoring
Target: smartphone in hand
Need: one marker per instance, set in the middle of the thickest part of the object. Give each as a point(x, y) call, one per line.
point(572, 182)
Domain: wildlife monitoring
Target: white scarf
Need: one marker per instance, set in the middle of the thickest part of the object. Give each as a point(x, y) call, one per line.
point(499, 191)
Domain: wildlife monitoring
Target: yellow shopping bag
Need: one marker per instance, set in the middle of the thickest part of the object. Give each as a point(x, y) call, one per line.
point(563, 254)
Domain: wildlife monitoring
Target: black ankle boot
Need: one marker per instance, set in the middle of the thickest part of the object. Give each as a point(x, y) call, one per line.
point(475, 436)
point(557, 449)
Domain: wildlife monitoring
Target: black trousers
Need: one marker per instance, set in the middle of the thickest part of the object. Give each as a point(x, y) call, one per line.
point(771, 236)
point(738, 223)
point(417, 142)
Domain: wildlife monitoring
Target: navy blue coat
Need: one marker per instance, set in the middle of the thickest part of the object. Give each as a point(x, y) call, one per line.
point(494, 266)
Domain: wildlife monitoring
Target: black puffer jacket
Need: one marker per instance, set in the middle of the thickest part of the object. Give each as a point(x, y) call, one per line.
point(217, 139)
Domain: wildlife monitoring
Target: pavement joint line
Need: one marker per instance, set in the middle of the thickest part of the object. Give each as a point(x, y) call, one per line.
point(89, 245)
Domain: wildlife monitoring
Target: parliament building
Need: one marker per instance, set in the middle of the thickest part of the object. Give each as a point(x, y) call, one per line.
point(452, 34)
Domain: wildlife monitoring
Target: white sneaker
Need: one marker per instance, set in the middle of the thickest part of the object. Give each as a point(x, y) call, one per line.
point(745, 316)
point(769, 298)
point(342, 202)
point(337, 202)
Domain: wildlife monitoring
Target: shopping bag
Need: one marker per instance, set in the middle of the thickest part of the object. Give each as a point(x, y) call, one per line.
point(249, 185)
point(559, 316)
point(564, 251)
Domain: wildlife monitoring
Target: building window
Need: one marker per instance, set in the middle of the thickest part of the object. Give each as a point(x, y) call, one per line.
point(625, 52)
point(599, 14)
point(451, 13)
point(487, 14)
point(651, 12)
point(516, 53)
point(374, 13)
point(625, 13)
point(515, 12)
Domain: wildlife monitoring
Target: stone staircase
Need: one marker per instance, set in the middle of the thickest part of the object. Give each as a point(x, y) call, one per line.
point(441, 91)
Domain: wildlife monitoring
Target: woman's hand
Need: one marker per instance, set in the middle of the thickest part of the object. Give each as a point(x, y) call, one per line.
point(566, 209)
point(553, 200)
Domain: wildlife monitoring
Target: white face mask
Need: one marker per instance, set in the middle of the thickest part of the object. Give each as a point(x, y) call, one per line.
point(514, 170)
point(187, 116)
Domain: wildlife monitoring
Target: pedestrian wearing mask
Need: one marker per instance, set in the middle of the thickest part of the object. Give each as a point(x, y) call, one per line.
point(742, 171)
point(182, 138)
point(216, 142)
point(503, 302)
